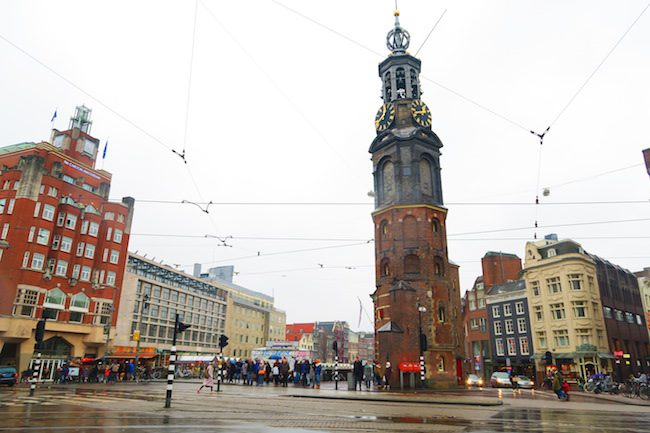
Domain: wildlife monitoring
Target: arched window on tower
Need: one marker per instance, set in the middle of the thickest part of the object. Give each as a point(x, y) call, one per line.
point(438, 268)
point(388, 87)
point(410, 228)
point(441, 313)
point(385, 267)
point(441, 364)
point(400, 82)
point(415, 93)
point(387, 181)
point(426, 184)
point(383, 234)
point(435, 225)
point(411, 264)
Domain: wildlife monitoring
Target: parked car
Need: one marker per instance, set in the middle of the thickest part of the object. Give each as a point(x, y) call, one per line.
point(474, 380)
point(500, 379)
point(8, 375)
point(525, 382)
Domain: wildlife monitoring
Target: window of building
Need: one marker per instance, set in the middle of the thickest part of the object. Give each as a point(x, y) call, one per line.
point(43, 237)
point(557, 311)
point(48, 212)
point(55, 298)
point(109, 216)
point(80, 248)
point(519, 307)
point(618, 314)
point(25, 259)
point(118, 236)
point(481, 303)
point(590, 283)
point(38, 260)
point(5, 231)
point(37, 209)
point(512, 346)
point(583, 335)
point(109, 232)
point(509, 328)
point(629, 317)
point(79, 302)
point(385, 267)
point(579, 308)
point(500, 347)
point(115, 256)
point(68, 179)
point(30, 236)
point(3, 204)
point(521, 325)
point(66, 244)
point(441, 314)
point(638, 320)
point(539, 313)
point(472, 305)
point(498, 330)
point(482, 324)
point(575, 281)
point(554, 285)
point(110, 278)
point(84, 227)
point(541, 339)
point(60, 219)
point(607, 312)
point(441, 364)
point(61, 268)
point(52, 191)
point(507, 310)
point(551, 252)
point(90, 251)
point(76, 269)
point(473, 324)
point(26, 301)
point(85, 273)
point(496, 311)
point(10, 208)
point(561, 338)
point(93, 229)
point(120, 218)
point(523, 346)
point(70, 221)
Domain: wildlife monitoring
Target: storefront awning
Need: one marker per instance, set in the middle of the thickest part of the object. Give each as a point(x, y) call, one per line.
point(195, 358)
point(131, 356)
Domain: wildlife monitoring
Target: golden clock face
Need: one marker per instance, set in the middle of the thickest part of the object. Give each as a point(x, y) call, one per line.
point(421, 113)
point(385, 117)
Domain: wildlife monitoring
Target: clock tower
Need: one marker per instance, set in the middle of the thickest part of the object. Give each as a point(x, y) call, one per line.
point(417, 297)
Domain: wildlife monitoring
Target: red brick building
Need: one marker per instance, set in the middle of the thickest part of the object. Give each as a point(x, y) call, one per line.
point(417, 297)
point(498, 268)
point(63, 246)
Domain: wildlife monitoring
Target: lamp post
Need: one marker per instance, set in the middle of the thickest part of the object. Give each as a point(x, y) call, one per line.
point(422, 341)
point(145, 304)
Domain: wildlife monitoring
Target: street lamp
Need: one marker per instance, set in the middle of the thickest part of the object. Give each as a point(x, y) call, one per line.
point(143, 306)
point(422, 340)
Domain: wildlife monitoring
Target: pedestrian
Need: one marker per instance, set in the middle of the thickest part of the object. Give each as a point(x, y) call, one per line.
point(244, 372)
point(276, 373)
point(557, 386)
point(261, 373)
point(318, 369)
point(130, 370)
point(367, 373)
point(284, 372)
point(65, 370)
point(387, 375)
point(514, 380)
point(208, 379)
point(357, 373)
point(268, 372)
point(565, 390)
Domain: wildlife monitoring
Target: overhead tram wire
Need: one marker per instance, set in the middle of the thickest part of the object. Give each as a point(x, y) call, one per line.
point(432, 29)
point(442, 86)
point(90, 95)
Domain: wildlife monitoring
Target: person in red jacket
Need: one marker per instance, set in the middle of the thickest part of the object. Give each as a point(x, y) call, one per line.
point(565, 389)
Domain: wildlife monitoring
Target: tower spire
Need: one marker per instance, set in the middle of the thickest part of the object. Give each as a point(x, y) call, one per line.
point(398, 39)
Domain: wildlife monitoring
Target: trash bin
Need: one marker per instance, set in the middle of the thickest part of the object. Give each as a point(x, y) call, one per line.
point(351, 383)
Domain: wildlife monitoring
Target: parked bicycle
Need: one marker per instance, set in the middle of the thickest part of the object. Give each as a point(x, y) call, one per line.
point(635, 388)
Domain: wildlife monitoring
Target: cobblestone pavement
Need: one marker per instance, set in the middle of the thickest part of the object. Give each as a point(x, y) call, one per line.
point(139, 408)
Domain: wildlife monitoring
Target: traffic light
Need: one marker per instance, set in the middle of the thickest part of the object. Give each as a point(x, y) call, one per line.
point(39, 333)
point(423, 342)
point(335, 347)
point(182, 327)
point(223, 341)
point(549, 358)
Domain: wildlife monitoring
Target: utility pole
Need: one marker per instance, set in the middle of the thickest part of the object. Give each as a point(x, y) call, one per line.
point(335, 347)
point(143, 306)
point(422, 340)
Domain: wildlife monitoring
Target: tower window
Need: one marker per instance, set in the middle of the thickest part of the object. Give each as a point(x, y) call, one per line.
point(388, 87)
point(400, 76)
point(385, 268)
point(414, 84)
point(387, 181)
point(435, 225)
point(426, 184)
point(412, 264)
point(441, 313)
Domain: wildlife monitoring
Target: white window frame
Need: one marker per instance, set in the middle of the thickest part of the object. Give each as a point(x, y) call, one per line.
point(500, 347)
point(507, 310)
point(70, 221)
point(511, 343)
point(93, 229)
point(48, 212)
point(61, 268)
point(38, 261)
point(85, 273)
point(43, 237)
point(519, 307)
point(496, 311)
point(524, 349)
point(5, 231)
point(498, 328)
point(115, 257)
point(80, 249)
point(90, 251)
point(66, 244)
point(110, 278)
point(522, 328)
point(510, 329)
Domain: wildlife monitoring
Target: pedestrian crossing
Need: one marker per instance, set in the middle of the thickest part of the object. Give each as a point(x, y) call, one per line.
point(64, 397)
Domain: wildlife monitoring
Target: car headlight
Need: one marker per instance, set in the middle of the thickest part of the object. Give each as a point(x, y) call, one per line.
point(469, 382)
point(480, 381)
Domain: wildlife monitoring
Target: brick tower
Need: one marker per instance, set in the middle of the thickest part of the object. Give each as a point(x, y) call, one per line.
point(417, 286)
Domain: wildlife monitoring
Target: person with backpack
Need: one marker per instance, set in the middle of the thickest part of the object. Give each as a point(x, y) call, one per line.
point(208, 379)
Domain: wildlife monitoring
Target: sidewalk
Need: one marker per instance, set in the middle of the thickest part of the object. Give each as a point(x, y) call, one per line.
point(604, 397)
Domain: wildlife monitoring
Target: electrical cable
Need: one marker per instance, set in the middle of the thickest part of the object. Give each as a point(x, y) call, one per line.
point(432, 29)
point(189, 81)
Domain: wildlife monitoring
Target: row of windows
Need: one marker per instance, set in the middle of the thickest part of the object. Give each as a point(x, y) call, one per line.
point(554, 284)
point(55, 301)
point(621, 316)
point(157, 313)
point(473, 303)
point(411, 266)
point(507, 309)
point(561, 337)
point(60, 268)
point(478, 323)
point(154, 333)
point(511, 344)
point(165, 296)
point(557, 310)
point(522, 327)
point(174, 279)
point(244, 339)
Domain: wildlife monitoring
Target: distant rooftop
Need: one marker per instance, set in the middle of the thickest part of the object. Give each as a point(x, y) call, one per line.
point(512, 286)
point(16, 147)
point(500, 254)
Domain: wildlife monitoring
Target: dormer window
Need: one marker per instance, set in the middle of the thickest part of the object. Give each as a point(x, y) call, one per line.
point(551, 253)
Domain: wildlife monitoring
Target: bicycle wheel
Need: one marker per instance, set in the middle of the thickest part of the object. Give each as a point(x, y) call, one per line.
point(644, 392)
point(627, 390)
point(590, 386)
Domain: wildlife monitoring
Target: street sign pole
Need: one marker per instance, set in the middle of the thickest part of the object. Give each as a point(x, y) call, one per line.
point(39, 333)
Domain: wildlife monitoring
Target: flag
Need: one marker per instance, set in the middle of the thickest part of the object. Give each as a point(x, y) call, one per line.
point(105, 148)
point(53, 116)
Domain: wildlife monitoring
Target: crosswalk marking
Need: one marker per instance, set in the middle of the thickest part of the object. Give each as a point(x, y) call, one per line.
point(50, 399)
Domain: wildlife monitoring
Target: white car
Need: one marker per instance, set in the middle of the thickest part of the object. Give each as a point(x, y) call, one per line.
point(500, 379)
point(473, 380)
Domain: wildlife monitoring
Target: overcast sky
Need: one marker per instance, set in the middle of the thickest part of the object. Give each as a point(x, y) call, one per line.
point(281, 110)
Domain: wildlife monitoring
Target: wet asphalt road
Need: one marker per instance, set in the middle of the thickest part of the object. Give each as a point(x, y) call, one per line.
point(138, 409)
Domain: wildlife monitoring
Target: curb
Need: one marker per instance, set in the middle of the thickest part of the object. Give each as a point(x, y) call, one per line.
point(627, 401)
point(398, 400)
